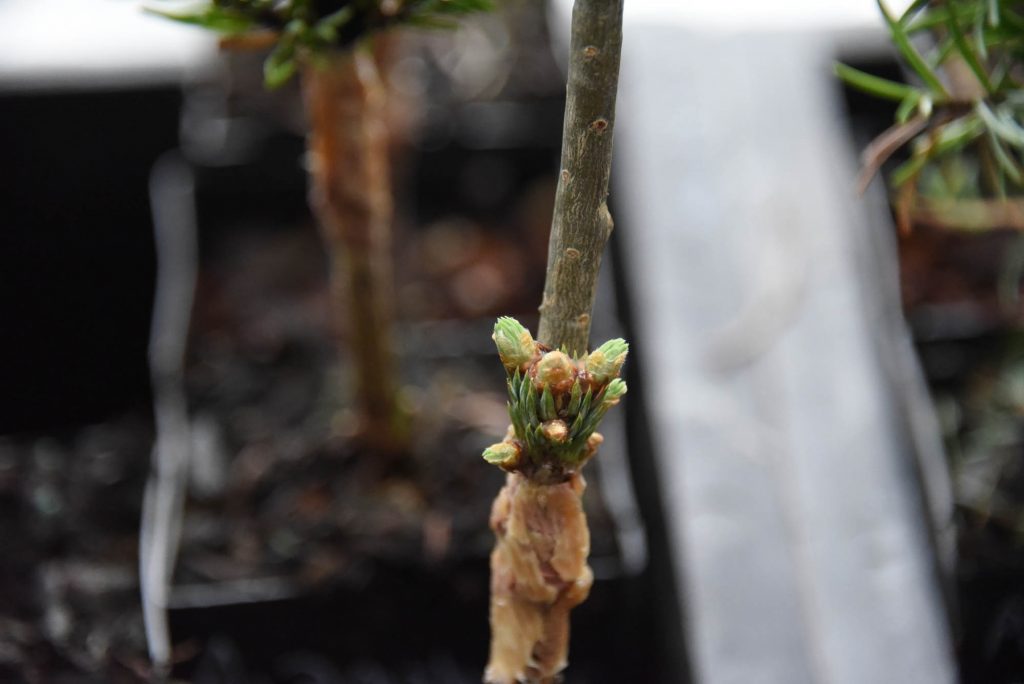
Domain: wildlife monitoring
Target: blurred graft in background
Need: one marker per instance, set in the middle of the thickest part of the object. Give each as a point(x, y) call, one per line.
point(350, 194)
point(346, 104)
point(304, 31)
point(952, 159)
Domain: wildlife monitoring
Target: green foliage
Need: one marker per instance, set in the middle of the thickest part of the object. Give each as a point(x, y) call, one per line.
point(533, 413)
point(502, 453)
point(556, 403)
point(979, 123)
point(280, 64)
point(515, 344)
point(873, 85)
point(901, 38)
point(224, 20)
point(436, 14)
point(605, 362)
point(306, 28)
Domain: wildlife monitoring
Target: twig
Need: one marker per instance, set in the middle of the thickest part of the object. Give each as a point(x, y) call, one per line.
point(539, 570)
point(351, 196)
point(884, 146)
point(581, 223)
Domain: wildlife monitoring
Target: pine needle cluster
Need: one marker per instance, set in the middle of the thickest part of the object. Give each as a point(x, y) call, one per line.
point(307, 29)
point(555, 402)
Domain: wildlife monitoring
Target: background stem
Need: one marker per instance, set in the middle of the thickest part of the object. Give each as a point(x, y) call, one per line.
point(351, 196)
point(581, 223)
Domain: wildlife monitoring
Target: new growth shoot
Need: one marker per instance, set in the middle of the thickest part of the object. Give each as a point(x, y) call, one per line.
point(557, 393)
point(538, 568)
point(555, 402)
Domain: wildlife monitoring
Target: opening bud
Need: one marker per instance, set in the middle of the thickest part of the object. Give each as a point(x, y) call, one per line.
point(554, 368)
point(515, 344)
point(613, 392)
point(605, 362)
point(503, 454)
point(555, 431)
point(616, 388)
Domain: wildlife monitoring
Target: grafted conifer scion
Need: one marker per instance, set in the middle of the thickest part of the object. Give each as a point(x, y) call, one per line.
point(350, 178)
point(557, 393)
point(539, 566)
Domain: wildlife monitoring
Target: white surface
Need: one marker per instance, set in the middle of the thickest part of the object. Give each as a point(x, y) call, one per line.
point(753, 15)
point(49, 44)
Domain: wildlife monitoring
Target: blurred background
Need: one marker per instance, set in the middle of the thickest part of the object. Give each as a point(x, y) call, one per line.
point(816, 475)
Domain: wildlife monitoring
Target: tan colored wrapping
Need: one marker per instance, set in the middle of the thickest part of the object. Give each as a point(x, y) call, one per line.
point(539, 572)
point(351, 195)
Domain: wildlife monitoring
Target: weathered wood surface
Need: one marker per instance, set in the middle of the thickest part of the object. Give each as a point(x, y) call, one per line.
point(789, 418)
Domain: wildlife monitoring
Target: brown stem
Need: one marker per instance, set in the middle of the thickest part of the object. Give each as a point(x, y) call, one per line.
point(581, 223)
point(351, 197)
point(539, 566)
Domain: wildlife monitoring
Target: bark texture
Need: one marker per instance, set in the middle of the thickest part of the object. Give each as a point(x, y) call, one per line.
point(581, 223)
point(539, 566)
point(351, 197)
point(539, 572)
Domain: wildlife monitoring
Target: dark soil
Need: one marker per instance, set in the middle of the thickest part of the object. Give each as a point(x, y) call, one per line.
point(300, 549)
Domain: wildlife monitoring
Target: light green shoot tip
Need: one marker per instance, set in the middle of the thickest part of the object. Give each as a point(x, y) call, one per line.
point(605, 362)
point(515, 344)
point(502, 453)
point(616, 388)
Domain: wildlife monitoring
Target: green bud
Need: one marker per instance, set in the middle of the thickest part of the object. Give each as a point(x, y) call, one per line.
point(515, 344)
point(502, 454)
point(616, 388)
point(605, 362)
point(555, 408)
point(555, 367)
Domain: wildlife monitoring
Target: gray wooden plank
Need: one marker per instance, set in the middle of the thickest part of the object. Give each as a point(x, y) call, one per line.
point(790, 477)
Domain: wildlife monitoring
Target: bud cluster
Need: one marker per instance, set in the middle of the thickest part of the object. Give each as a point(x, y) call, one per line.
point(555, 402)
